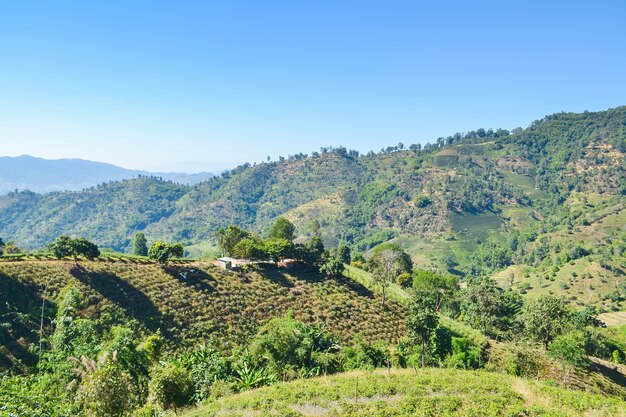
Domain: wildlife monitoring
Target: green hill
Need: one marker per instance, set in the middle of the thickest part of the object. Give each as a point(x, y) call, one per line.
point(189, 303)
point(514, 177)
point(426, 392)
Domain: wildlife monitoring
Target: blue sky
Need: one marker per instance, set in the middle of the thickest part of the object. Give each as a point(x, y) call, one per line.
point(181, 84)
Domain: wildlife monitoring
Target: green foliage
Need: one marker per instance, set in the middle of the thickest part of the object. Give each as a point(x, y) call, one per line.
point(85, 248)
point(422, 200)
point(405, 280)
point(279, 248)
point(152, 347)
point(249, 376)
point(343, 253)
point(445, 288)
point(206, 366)
point(422, 320)
point(569, 349)
point(229, 237)
point(62, 247)
point(333, 267)
point(544, 318)
point(363, 355)
point(252, 248)
point(387, 263)
point(464, 354)
point(65, 246)
point(282, 229)
point(482, 303)
point(35, 395)
point(104, 389)
point(171, 385)
point(291, 348)
point(140, 244)
point(163, 252)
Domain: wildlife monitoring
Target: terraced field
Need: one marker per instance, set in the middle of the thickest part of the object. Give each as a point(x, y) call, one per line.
point(613, 319)
point(188, 303)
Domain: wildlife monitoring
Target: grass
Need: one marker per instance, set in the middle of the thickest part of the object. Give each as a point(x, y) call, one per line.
point(425, 392)
point(394, 291)
point(614, 319)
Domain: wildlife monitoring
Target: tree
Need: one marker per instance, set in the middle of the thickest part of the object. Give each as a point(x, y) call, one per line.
point(333, 267)
point(286, 346)
point(163, 252)
point(343, 253)
point(177, 250)
point(482, 302)
point(1, 246)
point(569, 349)
point(387, 263)
point(85, 248)
point(444, 287)
point(422, 320)
point(66, 246)
point(9, 247)
point(140, 244)
point(278, 249)
point(282, 229)
point(545, 318)
point(251, 248)
point(312, 252)
point(227, 238)
point(105, 389)
point(62, 247)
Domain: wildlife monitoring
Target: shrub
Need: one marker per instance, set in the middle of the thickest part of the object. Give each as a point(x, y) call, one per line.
point(105, 389)
point(171, 386)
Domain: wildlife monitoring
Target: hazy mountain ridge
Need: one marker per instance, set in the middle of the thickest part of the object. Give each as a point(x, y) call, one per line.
point(44, 175)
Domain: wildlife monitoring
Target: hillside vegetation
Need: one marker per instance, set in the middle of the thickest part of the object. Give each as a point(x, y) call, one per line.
point(426, 392)
point(540, 209)
point(189, 303)
point(507, 179)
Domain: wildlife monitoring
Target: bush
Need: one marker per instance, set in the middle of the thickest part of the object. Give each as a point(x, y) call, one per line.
point(464, 355)
point(105, 390)
point(362, 355)
point(171, 386)
point(290, 348)
point(206, 366)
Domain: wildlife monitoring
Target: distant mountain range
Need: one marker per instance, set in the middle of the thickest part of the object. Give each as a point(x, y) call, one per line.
point(45, 175)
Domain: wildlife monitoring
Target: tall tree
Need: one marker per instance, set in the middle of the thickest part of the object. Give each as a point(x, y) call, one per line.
point(545, 318)
point(282, 229)
point(422, 319)
point(140, 244)
point(343, 253)
point(229, 237)
point(443, 287)
point(482, 302)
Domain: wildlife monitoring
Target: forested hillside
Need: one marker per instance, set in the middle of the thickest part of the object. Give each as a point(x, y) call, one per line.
point(527, 202)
